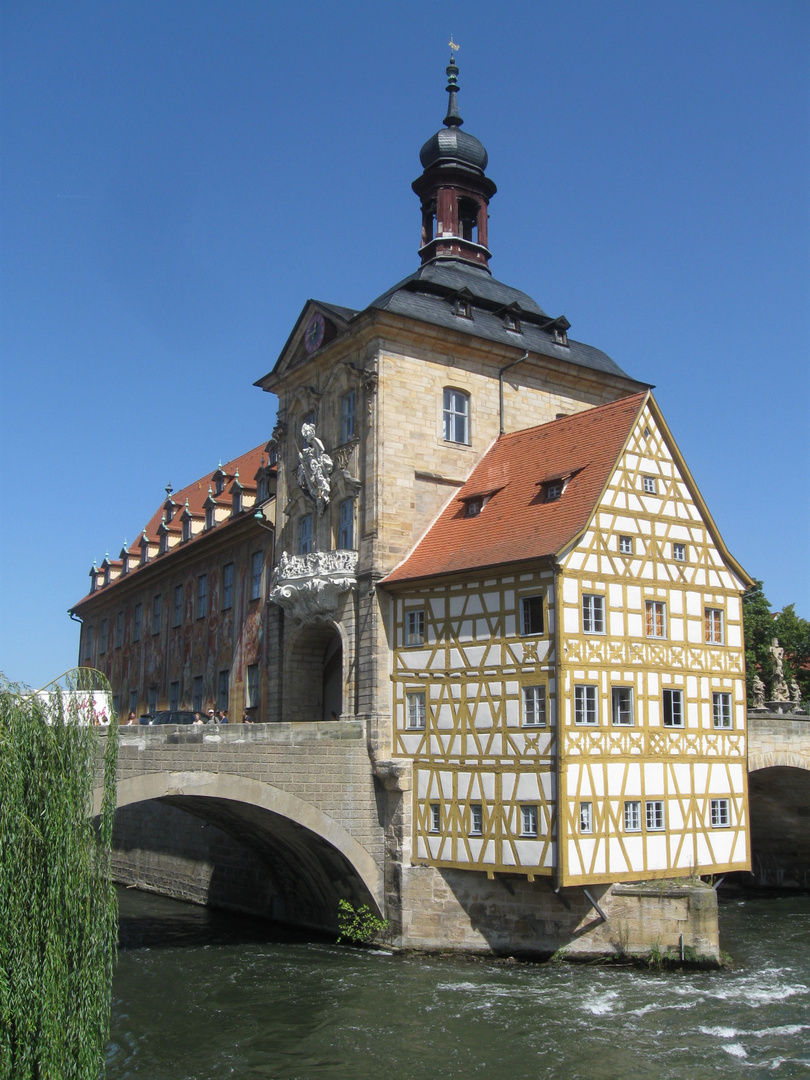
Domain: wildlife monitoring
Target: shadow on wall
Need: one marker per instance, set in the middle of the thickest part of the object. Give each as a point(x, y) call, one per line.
point(236, 857)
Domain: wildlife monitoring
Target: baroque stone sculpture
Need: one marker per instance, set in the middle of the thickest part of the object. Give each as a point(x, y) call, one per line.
point(759, 693)
point(780, 687)
point(309, 587)
point(314, 468)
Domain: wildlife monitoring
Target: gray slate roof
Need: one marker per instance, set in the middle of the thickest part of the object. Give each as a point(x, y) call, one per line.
point(427, 295)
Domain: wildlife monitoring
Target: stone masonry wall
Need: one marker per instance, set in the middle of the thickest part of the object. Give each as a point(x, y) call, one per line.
point(325, 764)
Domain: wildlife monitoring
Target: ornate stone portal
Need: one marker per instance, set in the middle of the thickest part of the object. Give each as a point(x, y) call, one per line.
point(308, 587)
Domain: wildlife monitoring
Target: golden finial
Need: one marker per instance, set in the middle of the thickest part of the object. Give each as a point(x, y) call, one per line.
point(453, 45)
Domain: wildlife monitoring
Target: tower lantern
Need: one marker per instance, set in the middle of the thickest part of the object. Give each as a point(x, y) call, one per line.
point(453, 189)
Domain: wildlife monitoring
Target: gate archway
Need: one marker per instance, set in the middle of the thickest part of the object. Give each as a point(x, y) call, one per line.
point(314, 677)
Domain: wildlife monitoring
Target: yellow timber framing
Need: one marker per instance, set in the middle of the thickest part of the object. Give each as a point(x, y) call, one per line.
point(591, 757)
point(476, 748)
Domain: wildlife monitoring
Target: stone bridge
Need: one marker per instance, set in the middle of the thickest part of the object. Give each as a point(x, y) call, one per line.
point(779, 798)
point(275, 819)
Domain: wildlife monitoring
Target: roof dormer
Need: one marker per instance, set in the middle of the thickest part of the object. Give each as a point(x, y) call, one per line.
point(219, 478)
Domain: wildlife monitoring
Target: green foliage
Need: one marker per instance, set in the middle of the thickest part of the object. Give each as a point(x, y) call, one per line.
point(794, 636)
point(761, 626)
point(358, 925)
point(758, 627)
point(58, 913)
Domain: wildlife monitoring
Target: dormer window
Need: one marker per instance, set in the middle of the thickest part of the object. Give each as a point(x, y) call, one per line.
point(219, 479)
point(558, 329)
point(187, 529)
point(511, 319)
point(462, 307)
point(236, 495)
point(554, 490)
point(163, 544)
point(474, 507)
point(210, 520)
point(262, 493)
point(272, 453)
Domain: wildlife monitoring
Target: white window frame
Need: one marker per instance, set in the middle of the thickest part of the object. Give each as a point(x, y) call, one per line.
point(347, 416)
point(625, 545)
point(679, 552)
point(415, 710)
point(476, 819)
point(435, 811)
point(632, 816)
point(586, 706)
point(529, 604)
point(654, 815)
point(654, 626)
point(528, 819)
point(714, 626)
point(721, 813)
point(622, 711)
point(593, 613)
point(415, 627)
point(586, 818)
point(534, 706)
point(256, 567)
point(650, 485)
point(456, 416)
point(675, 708)
point(722, 716)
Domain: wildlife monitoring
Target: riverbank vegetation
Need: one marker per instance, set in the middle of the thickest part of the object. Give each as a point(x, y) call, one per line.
point(58, 913)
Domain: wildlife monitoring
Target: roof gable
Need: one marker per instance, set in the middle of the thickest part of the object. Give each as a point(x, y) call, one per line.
point(335, 319)
point(519, 521)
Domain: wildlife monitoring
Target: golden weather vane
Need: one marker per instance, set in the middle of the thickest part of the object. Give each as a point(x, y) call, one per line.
point(453, 45)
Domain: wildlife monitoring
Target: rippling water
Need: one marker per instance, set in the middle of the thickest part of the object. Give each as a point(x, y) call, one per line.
point(202, 996)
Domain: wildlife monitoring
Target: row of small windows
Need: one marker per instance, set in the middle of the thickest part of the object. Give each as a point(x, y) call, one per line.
point(534, 708)
point(655, 619)
point(653, 820)
point(622, 712)
point(531, 621)
point(222, 697)
point(200, 607)
point(593, 620)
point(586, 708)
point(627, 547)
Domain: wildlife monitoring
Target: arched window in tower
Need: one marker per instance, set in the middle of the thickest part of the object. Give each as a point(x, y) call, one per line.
point(428, 222)
point(468, 219)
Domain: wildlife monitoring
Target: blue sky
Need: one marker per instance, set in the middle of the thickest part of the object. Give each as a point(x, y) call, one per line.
point(179, 177)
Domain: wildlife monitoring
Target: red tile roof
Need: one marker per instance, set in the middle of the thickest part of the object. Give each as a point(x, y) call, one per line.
point(517, 523)
point(247, 465)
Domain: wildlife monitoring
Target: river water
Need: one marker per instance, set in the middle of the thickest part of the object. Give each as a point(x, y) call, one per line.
point(200, 995)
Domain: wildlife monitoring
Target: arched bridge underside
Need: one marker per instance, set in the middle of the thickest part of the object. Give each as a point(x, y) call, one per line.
point(219, 836)
point(779, 800)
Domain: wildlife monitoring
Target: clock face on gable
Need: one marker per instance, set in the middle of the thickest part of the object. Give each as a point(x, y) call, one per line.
point(313, 335)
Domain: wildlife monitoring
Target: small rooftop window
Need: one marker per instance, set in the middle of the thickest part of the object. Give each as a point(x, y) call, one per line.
point(554, 490)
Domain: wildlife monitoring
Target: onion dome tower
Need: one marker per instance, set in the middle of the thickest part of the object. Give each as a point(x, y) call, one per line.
point(454, 189)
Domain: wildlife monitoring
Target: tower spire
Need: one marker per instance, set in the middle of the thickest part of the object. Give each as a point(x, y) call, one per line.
point(452, 119)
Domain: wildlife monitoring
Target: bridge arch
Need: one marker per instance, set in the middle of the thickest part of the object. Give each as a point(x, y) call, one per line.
point(314, 861)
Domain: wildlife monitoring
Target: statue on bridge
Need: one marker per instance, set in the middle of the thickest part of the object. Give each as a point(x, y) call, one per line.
point(780, 688)
point(758, 693)
point(795, 695)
